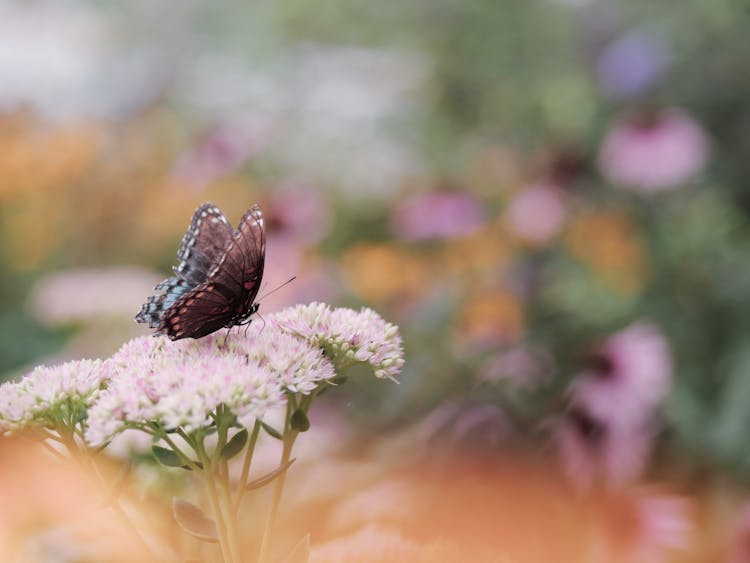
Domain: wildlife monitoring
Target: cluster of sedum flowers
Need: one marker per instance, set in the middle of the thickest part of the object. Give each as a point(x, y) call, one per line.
point(49, 396)
point(154, 381)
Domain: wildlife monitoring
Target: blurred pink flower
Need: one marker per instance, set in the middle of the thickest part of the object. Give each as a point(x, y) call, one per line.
point(298, 211)
point(631, 377)
point(377, 544)
point(222, 151)
point(664, 523)
point(593, 453)
point(437, 215)
point(523, 367)
point(607, 432)
point(739, 545)
point(655, 154)
point(455, 424)
point(86, 295)
point(647, 526)
point(536, 214)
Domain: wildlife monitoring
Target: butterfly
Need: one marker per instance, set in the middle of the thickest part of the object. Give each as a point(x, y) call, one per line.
point(217, 279)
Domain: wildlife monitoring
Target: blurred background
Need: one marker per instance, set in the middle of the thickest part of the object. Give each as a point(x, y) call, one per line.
point(550, 197)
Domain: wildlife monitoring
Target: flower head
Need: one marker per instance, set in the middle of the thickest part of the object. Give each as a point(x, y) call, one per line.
point(50, 394)
point(536, 215)
point(347, 336)
point(654, 155)
point(182, 384)
point(179, 384)
point(437, 215)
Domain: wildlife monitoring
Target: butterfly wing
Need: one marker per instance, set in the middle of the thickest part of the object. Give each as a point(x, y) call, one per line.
point(204, 241)
point(232, 283)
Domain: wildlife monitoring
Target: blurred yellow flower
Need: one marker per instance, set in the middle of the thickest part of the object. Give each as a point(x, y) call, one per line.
point(610, 244)
point(478, 258)
point(490, 318)
point(381, 272)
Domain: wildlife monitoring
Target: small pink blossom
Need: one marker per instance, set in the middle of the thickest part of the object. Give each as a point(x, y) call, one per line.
point(437, 215)
point(655, 155)
point(536, 214)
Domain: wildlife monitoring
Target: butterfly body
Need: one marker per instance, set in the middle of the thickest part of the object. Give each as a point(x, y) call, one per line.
point(217, 279)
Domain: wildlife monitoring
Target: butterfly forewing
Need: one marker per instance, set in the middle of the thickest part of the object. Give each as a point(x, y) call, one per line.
point(206, 238)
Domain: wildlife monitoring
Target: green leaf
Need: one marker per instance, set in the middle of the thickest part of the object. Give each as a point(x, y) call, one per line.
point(268, 477)
point(235, 445)
point(338, 380)
point(299, 421)
point(301, 552)
point(166, 457)
point(272, 431)
point(194, 521)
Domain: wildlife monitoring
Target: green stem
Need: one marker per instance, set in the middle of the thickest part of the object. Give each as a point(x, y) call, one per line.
point(250, 449)
point(290, 435)
point(213, 498)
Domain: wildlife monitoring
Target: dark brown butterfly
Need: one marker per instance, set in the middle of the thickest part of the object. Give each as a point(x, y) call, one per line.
point(217, 279)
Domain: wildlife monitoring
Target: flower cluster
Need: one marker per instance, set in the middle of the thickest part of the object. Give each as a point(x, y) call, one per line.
point(154, 381)
point(50, 395)
point(347, 336)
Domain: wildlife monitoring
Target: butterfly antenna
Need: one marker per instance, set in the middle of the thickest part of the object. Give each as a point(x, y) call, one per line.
point(264, 320)
point(275, 289)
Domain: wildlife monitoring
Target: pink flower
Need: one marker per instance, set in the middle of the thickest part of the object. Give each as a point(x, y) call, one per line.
point(222, 151)
point(523, 367)
point(249, 371)
point(632, 376)
point(348, 336)
point(484, 426)
point(606, 434)
point(654, 155)
point(739, 546)
point(437, 215)
point(298, 211)
point(648, 526)
point(87, 294)
point(51, 393)
point(593, 453)
point(536, 214)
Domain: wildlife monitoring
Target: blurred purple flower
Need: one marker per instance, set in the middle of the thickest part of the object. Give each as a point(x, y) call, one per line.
point(536, 214)
point(523, 366)
point(653, 154)
point(437, 215)
point(632, 63)
point(607, 432)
